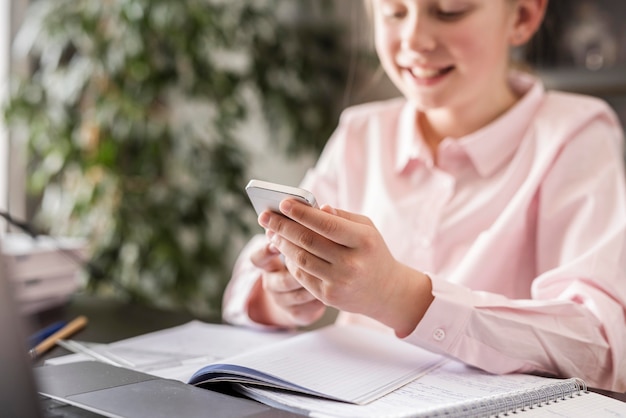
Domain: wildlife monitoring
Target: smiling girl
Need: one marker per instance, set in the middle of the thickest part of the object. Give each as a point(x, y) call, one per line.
point(478, 216)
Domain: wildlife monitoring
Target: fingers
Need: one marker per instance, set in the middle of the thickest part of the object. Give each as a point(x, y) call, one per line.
point(304, 266)
point(312, 252)
point(282, 229)
point(277, 279)
point(319, 246)
point(267, 258)
point(354, 217)
point(306, 313)
point(293, 298)
point(295, 301)
point(329, 222)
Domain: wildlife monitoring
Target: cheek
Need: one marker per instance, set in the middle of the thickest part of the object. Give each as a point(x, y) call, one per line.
point(477, 53)
point(386, 48)
point(468, 53)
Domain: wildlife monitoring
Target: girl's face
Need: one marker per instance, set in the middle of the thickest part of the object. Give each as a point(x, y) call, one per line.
point(446, 53)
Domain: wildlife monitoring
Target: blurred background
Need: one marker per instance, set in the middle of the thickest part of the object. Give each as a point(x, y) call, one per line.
point(135, 124)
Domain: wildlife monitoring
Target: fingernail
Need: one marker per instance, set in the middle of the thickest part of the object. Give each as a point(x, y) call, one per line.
point(329, 209)
point(264, 219)
point(269, 233)
point(272, 248)
point(285, 206)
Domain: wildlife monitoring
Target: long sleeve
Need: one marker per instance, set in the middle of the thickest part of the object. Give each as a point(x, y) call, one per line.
point(244, 277)
point(521, 226)
point(574, 322)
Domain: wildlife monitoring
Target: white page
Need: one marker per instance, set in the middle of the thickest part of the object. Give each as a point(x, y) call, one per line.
point(194, 340)
point(349, 363)
point(197, 338)
point(587, 405)
point(449, 384)
point(177, 352)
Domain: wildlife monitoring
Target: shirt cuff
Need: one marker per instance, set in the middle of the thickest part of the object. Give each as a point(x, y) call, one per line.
point(446, 318)
point(446, 328)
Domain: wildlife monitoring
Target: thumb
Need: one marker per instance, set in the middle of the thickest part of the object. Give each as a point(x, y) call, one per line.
point(350, 216)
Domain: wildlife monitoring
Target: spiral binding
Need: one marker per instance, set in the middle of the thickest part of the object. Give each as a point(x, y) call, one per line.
point(506, 404)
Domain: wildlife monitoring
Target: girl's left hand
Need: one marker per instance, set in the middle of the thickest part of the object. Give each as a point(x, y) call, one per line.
point(341, 258)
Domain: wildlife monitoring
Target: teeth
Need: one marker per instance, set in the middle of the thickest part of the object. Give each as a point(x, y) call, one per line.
point(425, 73)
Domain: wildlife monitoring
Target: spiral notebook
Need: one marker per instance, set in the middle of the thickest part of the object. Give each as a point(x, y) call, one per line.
point(348, 371)
point(456, 390)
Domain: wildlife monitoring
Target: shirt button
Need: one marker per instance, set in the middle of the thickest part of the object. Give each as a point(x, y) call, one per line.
point(439, 334)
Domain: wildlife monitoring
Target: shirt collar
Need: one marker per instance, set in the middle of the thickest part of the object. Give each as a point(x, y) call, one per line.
point(489, 147)
point(411, 145)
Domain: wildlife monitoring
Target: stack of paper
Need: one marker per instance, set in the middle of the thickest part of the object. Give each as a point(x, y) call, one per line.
point(44, 270)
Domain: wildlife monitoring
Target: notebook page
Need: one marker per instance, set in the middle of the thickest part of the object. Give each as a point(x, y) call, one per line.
point(449, 384)
point(177, 352)
point(584, 406)
point(344, 362)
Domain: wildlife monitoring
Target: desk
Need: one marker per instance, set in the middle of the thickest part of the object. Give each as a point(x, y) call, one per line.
point(111, 321)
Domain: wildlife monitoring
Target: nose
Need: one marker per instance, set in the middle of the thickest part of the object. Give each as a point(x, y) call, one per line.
point(418, 34)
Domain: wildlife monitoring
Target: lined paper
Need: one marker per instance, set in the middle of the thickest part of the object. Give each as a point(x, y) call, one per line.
point(178, 352)
point(584, 406)
point(347, 363)
point(450, 384)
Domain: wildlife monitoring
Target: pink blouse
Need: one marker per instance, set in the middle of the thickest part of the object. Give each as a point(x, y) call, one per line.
point(521, 226)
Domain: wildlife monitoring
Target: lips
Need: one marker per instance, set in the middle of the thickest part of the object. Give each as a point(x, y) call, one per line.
point(424, 76)
point(428, 73)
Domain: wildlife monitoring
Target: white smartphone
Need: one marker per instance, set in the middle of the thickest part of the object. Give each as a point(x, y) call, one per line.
point(265, 195)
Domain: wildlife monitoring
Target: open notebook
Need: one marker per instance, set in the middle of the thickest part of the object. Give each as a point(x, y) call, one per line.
point(452, 388)
point(97, 387)
point(347, 371)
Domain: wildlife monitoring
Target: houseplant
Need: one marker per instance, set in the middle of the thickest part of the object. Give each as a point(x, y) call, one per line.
point(131, 115)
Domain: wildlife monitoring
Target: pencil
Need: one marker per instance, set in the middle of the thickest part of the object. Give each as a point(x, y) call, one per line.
point(71, 328)
point(41, 335)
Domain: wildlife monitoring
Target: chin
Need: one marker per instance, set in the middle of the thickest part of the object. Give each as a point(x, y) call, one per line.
point(425, 101)
point(426, 104)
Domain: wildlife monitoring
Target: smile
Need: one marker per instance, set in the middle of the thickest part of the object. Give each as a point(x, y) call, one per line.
point(427, 76)
point(429, 73)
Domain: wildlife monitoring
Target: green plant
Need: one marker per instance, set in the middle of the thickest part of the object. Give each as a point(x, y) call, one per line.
point(131, 115)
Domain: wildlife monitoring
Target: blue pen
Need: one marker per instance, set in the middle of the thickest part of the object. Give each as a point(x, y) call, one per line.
point(41, 335)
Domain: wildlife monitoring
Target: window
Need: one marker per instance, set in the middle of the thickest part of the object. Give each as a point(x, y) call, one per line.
point(5, 34)
point(12, 156)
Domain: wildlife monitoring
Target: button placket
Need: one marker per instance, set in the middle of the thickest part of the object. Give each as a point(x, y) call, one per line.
point(437, 192)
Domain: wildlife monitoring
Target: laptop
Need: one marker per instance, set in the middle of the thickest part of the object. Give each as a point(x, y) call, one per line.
point(90, 388)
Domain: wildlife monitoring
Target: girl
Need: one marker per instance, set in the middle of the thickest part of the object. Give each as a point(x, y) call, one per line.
point(481, 216)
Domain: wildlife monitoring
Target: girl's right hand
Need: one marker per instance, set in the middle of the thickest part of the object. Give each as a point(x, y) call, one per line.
point(278, 298)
